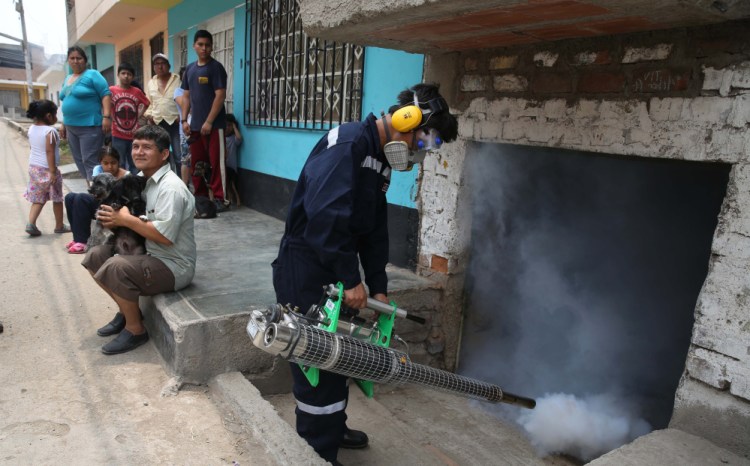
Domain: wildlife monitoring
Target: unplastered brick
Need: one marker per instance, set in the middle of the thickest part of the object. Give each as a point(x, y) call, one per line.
point(607, 136)
point(592, 58)
point(663, 80)
point(489, 130)
point(541, 132)
point(466, 127)
point(546, 59)
point(601, 82)
point(510, 83)
point(546, 83)
point(501, 109)
point(473, 83)
point(641, 54)
point(741, 77)
point(668, 109)
point(717, 80)
point(504, 62)
point(555, 109)
point(740, 115)
point(439, 264)
point(513, 130)
point(708, 109)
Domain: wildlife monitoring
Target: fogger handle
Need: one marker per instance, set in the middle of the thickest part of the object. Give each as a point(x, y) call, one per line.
point(379, 306)
point(386, 308)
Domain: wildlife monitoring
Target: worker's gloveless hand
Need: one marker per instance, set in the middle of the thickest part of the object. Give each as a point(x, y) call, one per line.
point(356, 297)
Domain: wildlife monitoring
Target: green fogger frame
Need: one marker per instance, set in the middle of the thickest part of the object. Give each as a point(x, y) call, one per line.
point(380, 335)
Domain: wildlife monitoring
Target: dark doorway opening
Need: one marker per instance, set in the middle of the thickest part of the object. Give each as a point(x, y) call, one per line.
point(134, 55)
point(585, 270)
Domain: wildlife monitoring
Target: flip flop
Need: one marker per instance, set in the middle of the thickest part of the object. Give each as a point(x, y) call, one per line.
point(65, 229)
point(77, 248)
point(32, 230)
point(70, 243)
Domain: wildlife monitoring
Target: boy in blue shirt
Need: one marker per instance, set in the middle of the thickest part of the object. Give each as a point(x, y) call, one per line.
point(205, 86)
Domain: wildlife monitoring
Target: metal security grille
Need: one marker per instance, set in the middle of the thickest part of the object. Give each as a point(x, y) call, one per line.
point(295, 81)
point(134, 56)
point(221, 28)
point(180, 52)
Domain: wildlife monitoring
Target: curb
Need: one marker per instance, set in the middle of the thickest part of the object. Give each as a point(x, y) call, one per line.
point(280, 441)
point(16, 126)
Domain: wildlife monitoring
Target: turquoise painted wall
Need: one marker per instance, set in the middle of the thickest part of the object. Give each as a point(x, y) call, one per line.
point(188, 14)
point(282, 152)
point(105, 56)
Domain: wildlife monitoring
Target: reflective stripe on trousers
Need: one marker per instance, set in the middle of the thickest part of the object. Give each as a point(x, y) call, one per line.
point(320, 410)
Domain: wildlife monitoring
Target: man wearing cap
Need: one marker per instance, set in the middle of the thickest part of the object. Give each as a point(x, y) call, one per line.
point(163, 110)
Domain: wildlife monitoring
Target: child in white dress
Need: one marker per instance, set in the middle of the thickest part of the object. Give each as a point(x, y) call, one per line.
point(45, 180)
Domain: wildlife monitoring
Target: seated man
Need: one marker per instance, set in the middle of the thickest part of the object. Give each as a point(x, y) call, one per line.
point(170, 242)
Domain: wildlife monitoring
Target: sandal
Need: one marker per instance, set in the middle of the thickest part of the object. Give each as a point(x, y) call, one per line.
point(32, 230)
point(77, 248)
point(65, 229)
point(70, 243)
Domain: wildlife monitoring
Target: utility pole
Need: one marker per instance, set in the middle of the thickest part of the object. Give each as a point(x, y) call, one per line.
point(26, 52)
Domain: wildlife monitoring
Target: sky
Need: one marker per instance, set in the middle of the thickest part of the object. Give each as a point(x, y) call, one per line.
point(46, 23)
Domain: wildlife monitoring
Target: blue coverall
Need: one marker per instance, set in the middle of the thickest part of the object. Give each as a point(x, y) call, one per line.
point(337, 217)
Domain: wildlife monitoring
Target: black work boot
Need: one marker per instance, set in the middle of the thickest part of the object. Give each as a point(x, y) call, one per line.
point(354, 439)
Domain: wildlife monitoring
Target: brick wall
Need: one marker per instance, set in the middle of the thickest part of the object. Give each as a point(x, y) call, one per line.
point(680, 94)
point(675, 63)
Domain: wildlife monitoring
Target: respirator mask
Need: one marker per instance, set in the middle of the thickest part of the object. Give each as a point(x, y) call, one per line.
point(400, 155)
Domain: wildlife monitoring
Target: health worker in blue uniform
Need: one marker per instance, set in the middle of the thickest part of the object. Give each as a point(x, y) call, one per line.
point(338, 219)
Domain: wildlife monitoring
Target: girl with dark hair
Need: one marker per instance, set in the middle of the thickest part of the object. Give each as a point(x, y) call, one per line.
point(45, 180)
point(81, 207)
point(86, 108)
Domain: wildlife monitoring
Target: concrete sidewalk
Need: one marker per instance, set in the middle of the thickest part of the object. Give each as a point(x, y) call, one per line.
point(200, 330)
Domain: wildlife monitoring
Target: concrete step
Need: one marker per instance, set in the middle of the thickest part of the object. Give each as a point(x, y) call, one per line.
point(411, 425)
point(407, 425)
point(670, 447)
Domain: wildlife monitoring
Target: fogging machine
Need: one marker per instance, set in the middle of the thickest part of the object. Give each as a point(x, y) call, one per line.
point(326, 339)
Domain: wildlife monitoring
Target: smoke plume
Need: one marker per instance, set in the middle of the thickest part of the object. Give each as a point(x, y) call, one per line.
point(581, 427)
point(582, 284)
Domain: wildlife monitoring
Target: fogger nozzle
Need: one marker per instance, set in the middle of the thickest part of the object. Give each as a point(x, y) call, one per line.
point(351, 357)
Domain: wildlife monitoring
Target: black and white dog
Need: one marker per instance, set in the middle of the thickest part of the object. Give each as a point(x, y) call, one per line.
point(125, 192)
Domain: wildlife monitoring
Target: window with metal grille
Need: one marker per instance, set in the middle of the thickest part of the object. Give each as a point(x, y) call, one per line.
point(134, 55)
point(296, 81)
point(157, 46)
point(180, 52)
point(221, 28)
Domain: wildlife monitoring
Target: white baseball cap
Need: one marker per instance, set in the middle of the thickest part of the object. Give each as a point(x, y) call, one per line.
point(162, 56)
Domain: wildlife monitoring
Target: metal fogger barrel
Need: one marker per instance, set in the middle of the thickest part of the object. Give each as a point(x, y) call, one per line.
point(299, 342)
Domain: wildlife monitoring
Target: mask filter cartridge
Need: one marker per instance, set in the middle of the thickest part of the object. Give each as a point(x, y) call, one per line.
point(398, 154)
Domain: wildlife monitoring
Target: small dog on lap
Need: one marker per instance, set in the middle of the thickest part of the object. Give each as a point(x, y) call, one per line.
point(125, 192)
point(100, 188)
